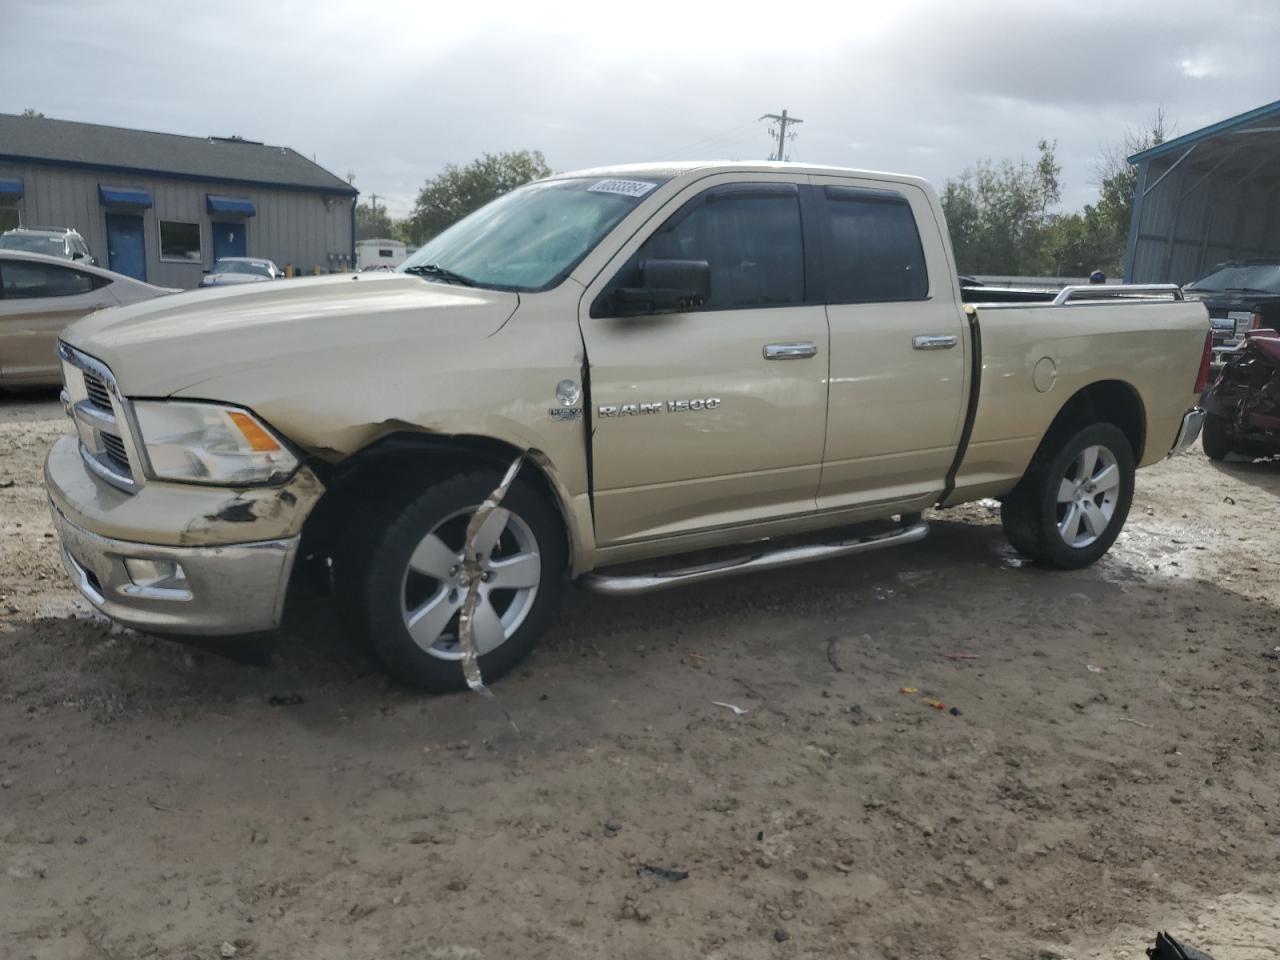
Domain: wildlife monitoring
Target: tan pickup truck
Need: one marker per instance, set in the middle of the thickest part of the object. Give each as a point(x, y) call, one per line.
point(648, 376)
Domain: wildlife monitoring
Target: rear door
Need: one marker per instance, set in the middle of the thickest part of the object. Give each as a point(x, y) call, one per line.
point(712, 417)
point(37, 300)
point(899, 348)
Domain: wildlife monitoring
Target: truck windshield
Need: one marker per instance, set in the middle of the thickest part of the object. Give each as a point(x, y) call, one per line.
point(532, 237)
point(1254, 277)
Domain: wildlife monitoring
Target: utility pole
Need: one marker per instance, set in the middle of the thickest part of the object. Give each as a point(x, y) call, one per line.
point(373, 202)
point(782, 120)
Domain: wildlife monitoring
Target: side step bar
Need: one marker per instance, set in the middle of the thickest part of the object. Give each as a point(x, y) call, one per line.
point(786, 556)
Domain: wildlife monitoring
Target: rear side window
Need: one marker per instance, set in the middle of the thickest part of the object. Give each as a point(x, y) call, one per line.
point(27, 281)
point(873, 251)
point(750, 236)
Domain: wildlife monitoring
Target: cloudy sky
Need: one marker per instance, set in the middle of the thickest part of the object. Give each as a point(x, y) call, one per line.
point(394, 90)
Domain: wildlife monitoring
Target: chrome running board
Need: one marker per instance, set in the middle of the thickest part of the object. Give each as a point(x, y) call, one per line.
point(618, 584)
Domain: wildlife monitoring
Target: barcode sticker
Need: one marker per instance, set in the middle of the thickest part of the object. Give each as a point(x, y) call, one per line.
point(627, 188)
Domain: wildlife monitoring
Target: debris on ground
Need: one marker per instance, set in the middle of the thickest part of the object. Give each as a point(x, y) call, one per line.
point(740, 711)
point(663, 873)
point(1167, 948)
point(286, 700)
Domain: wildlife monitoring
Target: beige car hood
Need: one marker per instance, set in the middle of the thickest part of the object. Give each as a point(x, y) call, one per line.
point(165, 345)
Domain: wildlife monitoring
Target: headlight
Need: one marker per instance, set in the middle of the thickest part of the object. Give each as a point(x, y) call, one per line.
point(210, 443)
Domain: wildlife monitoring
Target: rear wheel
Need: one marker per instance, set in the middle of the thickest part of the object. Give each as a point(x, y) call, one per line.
point(412, 588)
point(1214, 437)
point(1073, 500)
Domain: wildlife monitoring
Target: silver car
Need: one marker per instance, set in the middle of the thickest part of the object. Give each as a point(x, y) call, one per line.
point(39, 296)
point(51, 241)
point(241, 270)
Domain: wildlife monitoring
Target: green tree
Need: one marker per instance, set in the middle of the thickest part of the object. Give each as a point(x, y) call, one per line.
point(457, 191)
point(999, 214)
point(33, 112)
point(1117, 180)
point(373, 222)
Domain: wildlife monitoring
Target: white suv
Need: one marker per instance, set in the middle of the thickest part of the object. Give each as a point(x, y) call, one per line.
point(51, 241)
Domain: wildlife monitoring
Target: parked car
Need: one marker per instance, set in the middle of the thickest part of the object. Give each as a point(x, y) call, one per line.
point(39, 296)
point(594, 377)
point(50, 241)
point(1242, 408)
point(1241, 295)
point(230, 270)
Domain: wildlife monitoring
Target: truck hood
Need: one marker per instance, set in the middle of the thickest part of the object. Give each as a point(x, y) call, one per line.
point(172, 343)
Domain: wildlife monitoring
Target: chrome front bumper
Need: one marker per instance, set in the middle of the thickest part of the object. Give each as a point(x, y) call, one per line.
point(214, 591)
point(1190, 429)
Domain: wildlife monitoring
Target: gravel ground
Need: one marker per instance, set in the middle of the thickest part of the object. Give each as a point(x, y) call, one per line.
point(1104, 763)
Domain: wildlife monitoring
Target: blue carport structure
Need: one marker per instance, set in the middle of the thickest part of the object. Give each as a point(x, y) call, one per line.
point(1206, 197)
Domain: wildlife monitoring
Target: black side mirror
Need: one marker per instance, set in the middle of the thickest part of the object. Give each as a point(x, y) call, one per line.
point(77, 255)
point(666, 286)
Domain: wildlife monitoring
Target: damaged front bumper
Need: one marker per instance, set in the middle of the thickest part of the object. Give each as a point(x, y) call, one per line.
point(171, 559)
point(234, 589)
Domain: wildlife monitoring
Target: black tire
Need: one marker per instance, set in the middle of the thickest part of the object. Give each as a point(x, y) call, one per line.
point(382, 580)
point(1032, 513)
point(1214, 437)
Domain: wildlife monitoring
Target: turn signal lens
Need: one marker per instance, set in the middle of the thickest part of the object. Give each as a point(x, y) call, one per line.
point(259, 440)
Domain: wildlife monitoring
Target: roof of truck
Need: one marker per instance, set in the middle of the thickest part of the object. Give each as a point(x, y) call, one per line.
point(677, 168)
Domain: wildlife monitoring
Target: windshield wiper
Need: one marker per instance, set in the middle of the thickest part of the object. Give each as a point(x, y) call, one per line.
point(1248, 290)
point(437, 272)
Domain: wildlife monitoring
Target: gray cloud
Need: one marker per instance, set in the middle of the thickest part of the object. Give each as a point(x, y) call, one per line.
point(395, 92)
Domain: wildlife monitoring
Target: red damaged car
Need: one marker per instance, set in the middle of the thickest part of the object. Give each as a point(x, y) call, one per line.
point(1242, 408)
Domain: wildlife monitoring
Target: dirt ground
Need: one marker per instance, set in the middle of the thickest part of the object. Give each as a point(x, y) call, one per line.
point(1105, 764)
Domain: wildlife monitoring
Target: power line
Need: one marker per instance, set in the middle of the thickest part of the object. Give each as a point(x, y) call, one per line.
point(705, 143)
point(783, 122)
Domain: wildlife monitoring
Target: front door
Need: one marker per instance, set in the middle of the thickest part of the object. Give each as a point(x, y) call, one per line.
point(37, 301)
point(712, 417)
point(126, 246)
point(228, 240)
point(899, 347)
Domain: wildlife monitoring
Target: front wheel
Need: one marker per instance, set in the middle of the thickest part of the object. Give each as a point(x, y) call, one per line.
point(1069, 507)
point(1214, 437)
point(413, 586)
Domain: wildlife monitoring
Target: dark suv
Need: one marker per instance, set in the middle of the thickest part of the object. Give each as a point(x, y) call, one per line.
point(1240, 295)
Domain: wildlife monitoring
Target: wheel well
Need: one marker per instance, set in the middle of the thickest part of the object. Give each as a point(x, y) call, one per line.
point(400, 463)
point(1107, 401)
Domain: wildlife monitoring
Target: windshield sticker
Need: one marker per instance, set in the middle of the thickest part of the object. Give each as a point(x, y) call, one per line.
point(627, 188)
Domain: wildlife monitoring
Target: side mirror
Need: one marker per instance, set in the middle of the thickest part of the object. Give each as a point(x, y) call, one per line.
point(667, 286)
point(77, 255)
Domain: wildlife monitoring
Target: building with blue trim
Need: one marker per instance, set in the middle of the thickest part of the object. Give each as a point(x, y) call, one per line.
point(163, 207)
point(1209, 196)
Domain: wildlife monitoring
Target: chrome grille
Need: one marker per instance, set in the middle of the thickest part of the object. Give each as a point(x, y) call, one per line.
point(97, 391)
point(113, 447)
point(102, 419)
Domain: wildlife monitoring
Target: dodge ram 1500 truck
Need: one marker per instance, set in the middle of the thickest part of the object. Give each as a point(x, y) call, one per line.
point(631, 377)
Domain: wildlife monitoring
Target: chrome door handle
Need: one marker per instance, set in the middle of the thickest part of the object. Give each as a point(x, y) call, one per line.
point(934, 343)
point(789, 351)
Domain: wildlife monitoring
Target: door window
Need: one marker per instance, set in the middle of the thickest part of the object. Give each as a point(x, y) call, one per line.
point(20, 280)
point(751, 237)
point(873, 252)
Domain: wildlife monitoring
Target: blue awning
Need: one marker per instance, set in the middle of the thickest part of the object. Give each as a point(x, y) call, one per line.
point(231, 206)
point(10, 189)
point(130, 197)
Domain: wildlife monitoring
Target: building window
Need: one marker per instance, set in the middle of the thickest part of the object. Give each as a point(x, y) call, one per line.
point(180, 242)
point(9, 218)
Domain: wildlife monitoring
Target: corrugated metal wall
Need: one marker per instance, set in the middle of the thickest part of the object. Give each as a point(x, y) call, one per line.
point(307, 230)
point(1190, 221)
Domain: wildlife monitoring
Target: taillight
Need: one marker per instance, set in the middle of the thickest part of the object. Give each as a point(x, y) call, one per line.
point(1202, 378)
point(1256, 322)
